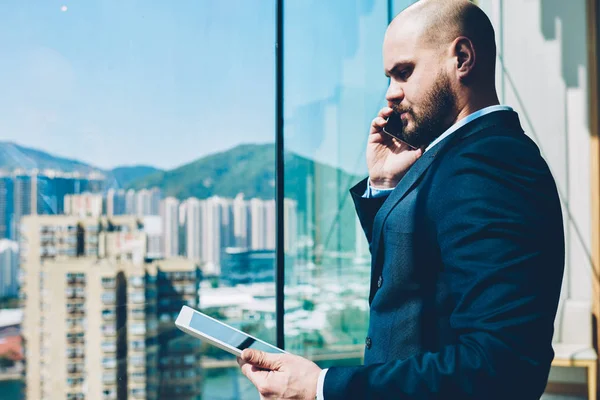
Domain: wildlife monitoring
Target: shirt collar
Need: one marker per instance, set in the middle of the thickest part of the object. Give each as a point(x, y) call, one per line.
point(466, 120)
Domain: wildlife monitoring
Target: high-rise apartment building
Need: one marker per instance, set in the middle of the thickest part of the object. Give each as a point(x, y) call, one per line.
point(262, 224)
point(147, 202)
point(257, 224)
point(115, 202)
point(98, 316)
point(270, 224)
point(169, 212)
point(23, 201)
point(241, 223)
point(9, 268)
point(194, 222)
point(215, 235)
point(290, 223)
point(130, 203)
point(152, 227)
point(83, 205)
point(6, 206)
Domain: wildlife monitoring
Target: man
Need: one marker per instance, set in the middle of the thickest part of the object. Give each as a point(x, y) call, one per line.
point(465, 232)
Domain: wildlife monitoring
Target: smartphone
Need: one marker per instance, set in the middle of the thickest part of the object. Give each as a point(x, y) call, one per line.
point(395, 128)
point(219, 334)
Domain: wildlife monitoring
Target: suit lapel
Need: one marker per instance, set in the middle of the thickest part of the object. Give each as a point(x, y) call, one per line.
point(406, 184)
point(408, 181)
point(411, 179)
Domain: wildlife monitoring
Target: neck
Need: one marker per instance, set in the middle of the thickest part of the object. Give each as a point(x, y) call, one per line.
point(473, 103)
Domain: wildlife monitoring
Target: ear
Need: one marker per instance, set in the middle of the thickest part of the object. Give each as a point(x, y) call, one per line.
point(464, 54)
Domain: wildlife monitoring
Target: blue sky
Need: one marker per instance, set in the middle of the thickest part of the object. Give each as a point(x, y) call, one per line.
point(164, 83)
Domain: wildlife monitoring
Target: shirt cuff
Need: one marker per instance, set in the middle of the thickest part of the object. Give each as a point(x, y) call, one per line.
point(372, 192)
point(320, 384)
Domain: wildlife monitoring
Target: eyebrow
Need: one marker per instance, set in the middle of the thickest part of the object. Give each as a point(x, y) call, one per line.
point(397, 66)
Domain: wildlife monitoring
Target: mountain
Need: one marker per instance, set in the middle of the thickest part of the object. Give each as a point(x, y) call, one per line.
point(320, 191)
point(247, 169)
point(14, 156)
point(124, 176)
point(324, 207)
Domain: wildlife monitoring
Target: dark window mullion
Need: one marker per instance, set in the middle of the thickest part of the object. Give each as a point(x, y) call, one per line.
point(279, 179)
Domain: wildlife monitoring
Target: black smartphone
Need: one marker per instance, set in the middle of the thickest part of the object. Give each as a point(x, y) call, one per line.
point(395, 128)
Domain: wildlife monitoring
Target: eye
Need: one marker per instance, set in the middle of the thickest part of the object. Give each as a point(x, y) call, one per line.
point(405, 74)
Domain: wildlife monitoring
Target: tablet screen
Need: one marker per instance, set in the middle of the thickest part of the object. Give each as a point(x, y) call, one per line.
point(227, 335)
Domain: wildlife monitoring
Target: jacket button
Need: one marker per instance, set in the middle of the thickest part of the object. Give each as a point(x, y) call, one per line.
point(368, 342)
point(380, 281)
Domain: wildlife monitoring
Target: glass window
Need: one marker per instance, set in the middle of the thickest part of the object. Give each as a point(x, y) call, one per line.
point(328, 109)
point(161, 117)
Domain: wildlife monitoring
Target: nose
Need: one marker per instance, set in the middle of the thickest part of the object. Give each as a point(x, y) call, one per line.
point(395, 93)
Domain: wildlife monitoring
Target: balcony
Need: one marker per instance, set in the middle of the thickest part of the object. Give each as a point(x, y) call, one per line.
point(138, 377)
point(108, 298)
point(109, 347)
point(75, 328)
point(138, 361)
point(138, 393)
point(137, 313)
point(109, 394)
point(76, 298)
point(109, 315)
point(137, 297)
point(109, 330)
point(109, 363)
point(75, 369)
point(109, 283)
point(137, 345)
point(136, 281)
point(75, 382)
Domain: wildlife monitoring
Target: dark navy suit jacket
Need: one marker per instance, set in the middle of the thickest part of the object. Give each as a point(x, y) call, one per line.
point(467, 265)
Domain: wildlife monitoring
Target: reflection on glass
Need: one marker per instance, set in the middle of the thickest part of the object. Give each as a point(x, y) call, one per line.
point(334, 87)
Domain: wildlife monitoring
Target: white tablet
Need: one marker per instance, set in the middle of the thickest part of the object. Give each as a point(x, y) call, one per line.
point(219, 334)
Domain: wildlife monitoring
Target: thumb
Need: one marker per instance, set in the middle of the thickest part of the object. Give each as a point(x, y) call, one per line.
point(261, 359)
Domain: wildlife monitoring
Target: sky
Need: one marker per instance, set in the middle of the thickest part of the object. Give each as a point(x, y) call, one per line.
point(115, 83)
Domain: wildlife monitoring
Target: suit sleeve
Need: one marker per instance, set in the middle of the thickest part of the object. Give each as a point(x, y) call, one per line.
point(366, 207)
point(500, 235)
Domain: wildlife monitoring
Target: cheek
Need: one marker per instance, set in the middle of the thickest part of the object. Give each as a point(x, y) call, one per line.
point(414, 97)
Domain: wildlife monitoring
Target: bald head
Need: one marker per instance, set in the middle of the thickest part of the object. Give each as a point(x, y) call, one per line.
point(438, 23)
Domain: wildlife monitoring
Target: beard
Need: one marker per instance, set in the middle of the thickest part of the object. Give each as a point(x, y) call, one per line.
point(436, 108)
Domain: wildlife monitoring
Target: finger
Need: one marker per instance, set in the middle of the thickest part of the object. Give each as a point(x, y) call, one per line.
point(240, 361)
point(418, 153)
point(254, 375)
point(261, 359)
point(379, 122)
point(385, 112)
point(247, 370)
point(377, 125)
